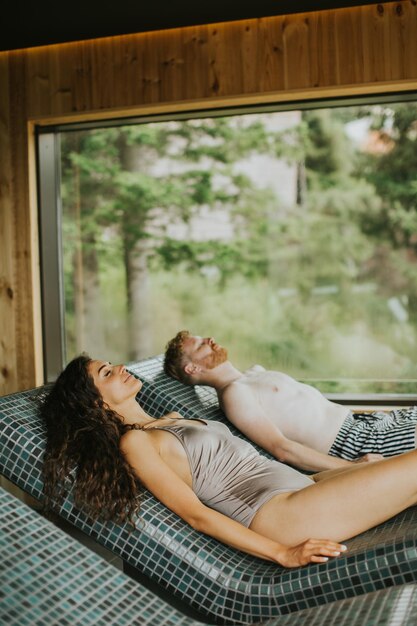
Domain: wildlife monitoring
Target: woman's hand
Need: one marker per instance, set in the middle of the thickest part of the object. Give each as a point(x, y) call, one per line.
point(371, 457)
point(309, 551)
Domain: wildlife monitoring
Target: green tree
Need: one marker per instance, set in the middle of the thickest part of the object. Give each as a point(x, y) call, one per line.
point(87, 166)
point(390, 165)
point(138, 201)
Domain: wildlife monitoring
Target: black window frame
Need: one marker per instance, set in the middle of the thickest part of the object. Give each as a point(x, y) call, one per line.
point(50, 214)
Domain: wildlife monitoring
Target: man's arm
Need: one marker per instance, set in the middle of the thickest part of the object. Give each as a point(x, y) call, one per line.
point(243, 410)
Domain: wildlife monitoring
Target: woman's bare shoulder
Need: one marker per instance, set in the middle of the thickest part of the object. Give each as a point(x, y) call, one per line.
point(132, 439)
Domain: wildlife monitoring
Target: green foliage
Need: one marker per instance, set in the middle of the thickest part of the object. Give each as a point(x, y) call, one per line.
point(328, 153)
point(391, 166)
point(305, 288)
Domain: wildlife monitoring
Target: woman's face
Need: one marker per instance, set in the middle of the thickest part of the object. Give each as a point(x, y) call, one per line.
point(115, 384)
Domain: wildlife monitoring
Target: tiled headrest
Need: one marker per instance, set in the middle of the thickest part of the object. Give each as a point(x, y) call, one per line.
point(158, 401)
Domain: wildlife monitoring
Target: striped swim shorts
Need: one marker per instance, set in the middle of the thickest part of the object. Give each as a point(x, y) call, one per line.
point(387, 433)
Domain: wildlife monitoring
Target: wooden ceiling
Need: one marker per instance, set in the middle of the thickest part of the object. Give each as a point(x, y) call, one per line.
point(42, 22)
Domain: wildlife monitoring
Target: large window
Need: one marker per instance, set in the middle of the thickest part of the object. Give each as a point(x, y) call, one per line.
point(290, 236)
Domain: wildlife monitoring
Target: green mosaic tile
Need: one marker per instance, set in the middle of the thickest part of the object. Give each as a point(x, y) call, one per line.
point(48, 578)
point(167, 550)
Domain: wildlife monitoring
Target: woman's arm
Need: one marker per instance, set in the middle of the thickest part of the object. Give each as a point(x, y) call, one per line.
point(172, 491)
point(368, 458)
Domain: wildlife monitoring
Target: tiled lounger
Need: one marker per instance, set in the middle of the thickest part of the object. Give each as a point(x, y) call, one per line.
point(225, 585)
point(48, 578)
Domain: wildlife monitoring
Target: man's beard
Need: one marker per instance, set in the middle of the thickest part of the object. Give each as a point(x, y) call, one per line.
point(217, 357)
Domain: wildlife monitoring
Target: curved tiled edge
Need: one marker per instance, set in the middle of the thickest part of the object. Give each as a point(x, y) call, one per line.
point(225, 584)
point(48, 578)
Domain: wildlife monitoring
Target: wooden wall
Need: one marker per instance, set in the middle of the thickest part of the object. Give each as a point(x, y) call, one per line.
point(356, 50)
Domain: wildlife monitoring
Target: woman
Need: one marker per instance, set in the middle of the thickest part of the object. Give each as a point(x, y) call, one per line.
point(262, 507)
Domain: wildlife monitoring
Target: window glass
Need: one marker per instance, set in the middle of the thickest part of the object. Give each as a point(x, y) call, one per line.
point(291, 237)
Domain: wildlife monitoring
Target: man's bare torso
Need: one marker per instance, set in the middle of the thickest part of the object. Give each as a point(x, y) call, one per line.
point(300, 411)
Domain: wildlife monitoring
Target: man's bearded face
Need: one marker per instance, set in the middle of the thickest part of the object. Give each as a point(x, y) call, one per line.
point(204, 352)
point(216, 357)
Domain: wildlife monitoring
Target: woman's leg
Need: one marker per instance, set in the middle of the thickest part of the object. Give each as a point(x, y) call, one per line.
point(343, 505)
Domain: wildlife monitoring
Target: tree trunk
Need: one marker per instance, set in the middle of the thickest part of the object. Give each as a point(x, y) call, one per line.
point(88, 310)
point(138, 289)
point(136, 251)
point(301, 183)
point(88, 323)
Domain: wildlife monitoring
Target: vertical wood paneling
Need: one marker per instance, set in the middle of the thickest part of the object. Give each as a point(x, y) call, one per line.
point(225, 60)
point(336, 47)
point(125, 60)
point(409, 36)
point(367, 45)
point(269, 72)
point(228, 57)
point(39, 79)
point(88, 61)
point(323, 58)
point(249, 55)
point(349, 44)
point(150, 67)
point(402, 33)
point(60, 97)
point(374, 45)
point(22, 227)
point(195, 55)
point(295, 34)
point(171, 68)
point(8, 365)
point(395, 30)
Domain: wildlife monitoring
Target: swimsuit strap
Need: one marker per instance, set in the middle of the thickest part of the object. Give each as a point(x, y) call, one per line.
point(134, 427)
point(143, 427)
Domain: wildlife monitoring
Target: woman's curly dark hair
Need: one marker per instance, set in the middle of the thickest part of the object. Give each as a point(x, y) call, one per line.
point(83, 447)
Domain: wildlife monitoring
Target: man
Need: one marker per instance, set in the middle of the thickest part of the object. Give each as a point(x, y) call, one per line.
point(292, 420)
